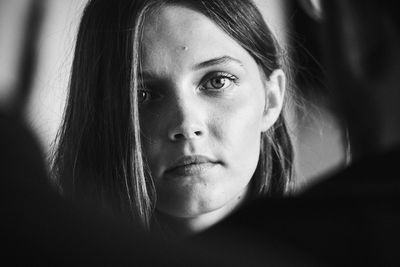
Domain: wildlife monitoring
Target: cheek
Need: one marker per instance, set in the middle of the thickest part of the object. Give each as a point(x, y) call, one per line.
point(238, 130)
point(237, 125)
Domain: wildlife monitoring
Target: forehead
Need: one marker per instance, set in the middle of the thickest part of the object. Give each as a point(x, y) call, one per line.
point(183, 36)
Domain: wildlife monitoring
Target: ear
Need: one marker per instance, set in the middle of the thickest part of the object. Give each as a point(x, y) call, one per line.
point(275, 88)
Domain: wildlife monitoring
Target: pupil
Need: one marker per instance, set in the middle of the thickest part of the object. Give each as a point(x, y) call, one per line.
point(142, 96)
point(219, 82)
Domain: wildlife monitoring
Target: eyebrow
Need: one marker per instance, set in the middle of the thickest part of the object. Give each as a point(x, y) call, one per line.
point(209, 63)
point(217, 61)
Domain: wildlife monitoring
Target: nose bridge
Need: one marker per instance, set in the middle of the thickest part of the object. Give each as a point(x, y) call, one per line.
point(185, 108)
point(188, 118)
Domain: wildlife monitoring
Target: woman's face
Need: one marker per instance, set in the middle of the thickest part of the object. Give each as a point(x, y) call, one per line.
point(202, 110)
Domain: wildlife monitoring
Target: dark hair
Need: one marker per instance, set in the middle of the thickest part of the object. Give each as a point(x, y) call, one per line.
point(99, 155)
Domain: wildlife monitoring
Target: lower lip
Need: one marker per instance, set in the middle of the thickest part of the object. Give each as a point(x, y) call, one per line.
point(191, 169)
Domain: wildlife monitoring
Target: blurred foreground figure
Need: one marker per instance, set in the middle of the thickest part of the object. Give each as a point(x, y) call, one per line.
point(350, 219)
point(39, 227)
point(353, 218)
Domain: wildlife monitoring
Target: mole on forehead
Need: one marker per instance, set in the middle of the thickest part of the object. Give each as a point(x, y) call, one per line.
point(182, 48)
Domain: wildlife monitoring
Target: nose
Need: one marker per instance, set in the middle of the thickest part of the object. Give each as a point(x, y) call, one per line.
point(188, 122)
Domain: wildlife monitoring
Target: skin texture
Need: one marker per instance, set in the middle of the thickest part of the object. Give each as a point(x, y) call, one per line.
point(188, 107)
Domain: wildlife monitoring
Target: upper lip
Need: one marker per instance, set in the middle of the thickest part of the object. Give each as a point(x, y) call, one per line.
point(187, 160)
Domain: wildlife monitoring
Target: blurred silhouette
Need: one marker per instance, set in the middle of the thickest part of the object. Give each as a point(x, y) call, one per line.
point(350, 219)
point(38, 226)
point(353, 217)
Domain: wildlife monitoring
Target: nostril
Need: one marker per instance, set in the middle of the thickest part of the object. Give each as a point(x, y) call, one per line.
point(178, 136)
point(188, 135)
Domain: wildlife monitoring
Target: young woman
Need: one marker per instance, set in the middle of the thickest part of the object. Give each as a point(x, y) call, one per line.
point(174, 114)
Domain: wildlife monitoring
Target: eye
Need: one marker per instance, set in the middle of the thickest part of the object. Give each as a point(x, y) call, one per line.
point(142, 96)
point(145, 96)
point(220, 81)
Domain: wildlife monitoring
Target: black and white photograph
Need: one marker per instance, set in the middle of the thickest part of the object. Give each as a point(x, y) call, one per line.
point(199, 132)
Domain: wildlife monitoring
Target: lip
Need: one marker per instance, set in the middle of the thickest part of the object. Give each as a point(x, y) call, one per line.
point(190, 166)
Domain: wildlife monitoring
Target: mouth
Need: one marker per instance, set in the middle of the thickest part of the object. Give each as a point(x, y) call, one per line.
point(190, 166)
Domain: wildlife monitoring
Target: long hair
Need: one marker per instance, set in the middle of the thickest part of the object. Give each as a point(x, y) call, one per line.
point(98, 155)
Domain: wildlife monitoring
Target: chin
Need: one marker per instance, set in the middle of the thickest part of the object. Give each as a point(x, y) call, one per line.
point(190, 206)
point(193, 199)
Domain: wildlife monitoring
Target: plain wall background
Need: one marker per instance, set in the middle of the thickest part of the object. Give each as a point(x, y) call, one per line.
point(317, 141)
